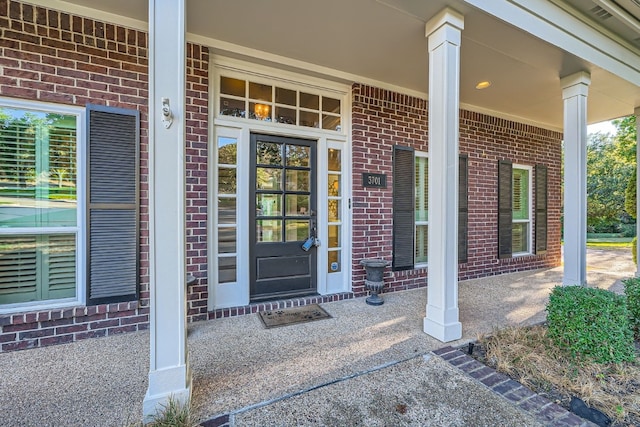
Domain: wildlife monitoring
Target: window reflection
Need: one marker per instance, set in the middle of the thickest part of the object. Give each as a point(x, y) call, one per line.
point(334, 160)
point(268, 153)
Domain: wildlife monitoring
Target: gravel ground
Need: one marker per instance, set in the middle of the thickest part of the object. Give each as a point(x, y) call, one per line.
point(237, 363)
point(419, 392)
point(94, 382)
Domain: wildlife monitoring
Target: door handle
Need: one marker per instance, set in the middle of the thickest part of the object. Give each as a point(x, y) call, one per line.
point(313, 236)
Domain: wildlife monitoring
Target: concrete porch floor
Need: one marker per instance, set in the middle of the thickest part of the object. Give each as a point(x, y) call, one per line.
point(365, 366)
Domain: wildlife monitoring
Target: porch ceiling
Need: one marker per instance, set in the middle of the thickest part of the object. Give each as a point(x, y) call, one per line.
point(383, 42)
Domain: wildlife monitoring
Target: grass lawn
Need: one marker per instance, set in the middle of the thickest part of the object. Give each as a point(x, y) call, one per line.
point(609, 245)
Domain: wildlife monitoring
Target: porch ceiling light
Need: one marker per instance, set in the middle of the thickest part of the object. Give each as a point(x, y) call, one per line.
point(483, 85)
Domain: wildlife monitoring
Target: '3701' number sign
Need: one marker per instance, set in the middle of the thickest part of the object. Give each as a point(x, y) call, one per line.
point(374, 180)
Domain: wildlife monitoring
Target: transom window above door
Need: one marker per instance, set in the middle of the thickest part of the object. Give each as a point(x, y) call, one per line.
point(272, 103)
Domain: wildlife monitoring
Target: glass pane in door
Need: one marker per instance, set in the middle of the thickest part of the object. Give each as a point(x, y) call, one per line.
point(268, 179)
point(297, 180)
point(268, 153)
point(297, 230)
point(268, 204)
point(298, 155)
point(297, 205)
point(269, 230)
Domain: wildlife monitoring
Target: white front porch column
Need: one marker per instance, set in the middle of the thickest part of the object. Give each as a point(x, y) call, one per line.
point(575, 89)
point(444, 33)
point(169, 375)
point(636, 112)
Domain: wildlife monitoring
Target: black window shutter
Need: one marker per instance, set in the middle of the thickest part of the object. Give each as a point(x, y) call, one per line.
point(505, 209)
point(541, 209)
point(403, 207)
point(112, 204)
point(463, 209)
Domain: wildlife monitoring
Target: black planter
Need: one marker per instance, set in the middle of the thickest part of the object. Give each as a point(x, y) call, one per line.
point(374, 268)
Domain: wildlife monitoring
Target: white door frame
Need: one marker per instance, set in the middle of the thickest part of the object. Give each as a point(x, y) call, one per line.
point(237, 293)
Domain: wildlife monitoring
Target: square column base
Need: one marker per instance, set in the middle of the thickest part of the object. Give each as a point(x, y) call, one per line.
point(444, 333)
point(162, 387)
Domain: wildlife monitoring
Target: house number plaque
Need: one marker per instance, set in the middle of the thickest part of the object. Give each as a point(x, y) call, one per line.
point(374, 180)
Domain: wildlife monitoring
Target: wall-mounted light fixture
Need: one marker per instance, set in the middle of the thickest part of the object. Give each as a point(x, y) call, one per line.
point(167, 114)
point(483, 84)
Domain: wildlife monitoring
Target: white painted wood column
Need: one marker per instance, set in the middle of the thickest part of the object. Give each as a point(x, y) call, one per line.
point(636, 112)
point(169, 374)
point(575, 89)
point(444, 33)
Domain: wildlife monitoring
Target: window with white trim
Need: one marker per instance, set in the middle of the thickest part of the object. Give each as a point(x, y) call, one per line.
point(278, 104)
point(521, 207)
point(39, 222)
point(411, 208)
point(422, 207)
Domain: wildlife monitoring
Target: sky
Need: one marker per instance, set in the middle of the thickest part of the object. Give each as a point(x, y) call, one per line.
point(602, 127)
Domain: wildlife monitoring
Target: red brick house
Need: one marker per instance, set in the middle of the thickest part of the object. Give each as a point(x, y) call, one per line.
point(429, 134)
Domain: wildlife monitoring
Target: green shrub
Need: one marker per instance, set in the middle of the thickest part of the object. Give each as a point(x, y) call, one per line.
point(628, 230)
point(603, 225)
point(590, 323)
point(634, 249)
point(632, 290)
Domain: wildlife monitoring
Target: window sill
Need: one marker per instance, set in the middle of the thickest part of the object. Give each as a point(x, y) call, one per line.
point(521, 254)
point(39, 306)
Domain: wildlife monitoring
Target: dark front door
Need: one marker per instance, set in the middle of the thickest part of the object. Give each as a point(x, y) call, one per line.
point(282, 217)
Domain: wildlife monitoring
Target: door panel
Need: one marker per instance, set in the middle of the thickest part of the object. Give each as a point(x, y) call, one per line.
point(282, 217)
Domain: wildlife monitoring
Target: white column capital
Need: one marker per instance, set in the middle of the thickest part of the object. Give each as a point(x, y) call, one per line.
point(446, 17)
point(575, 84)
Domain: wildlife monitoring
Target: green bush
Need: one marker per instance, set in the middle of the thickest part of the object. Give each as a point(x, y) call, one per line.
point(603, 225)
point(628, 230)
point(590, 324)
point(634, 249)
point(632, 290)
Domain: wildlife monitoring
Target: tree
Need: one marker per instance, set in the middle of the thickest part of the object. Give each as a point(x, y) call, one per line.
point(630, 195)
point(627, 137)
point(609, 169)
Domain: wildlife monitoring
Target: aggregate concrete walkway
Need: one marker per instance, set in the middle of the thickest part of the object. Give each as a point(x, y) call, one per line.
point(368, 366)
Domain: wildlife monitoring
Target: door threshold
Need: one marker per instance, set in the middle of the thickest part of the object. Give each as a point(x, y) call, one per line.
point(277, 304)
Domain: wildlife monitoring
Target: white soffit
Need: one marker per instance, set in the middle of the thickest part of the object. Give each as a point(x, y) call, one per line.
point(512, 43)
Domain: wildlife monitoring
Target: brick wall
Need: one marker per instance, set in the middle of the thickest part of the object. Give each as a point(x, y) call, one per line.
point(382, 119)
point(56, 57)
point(196, 191)
point(486, 140)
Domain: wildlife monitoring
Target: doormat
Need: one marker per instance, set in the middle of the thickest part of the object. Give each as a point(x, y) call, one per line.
point(292, 316)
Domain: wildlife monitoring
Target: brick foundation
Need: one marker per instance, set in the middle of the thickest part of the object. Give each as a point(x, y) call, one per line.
point(20, 331)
